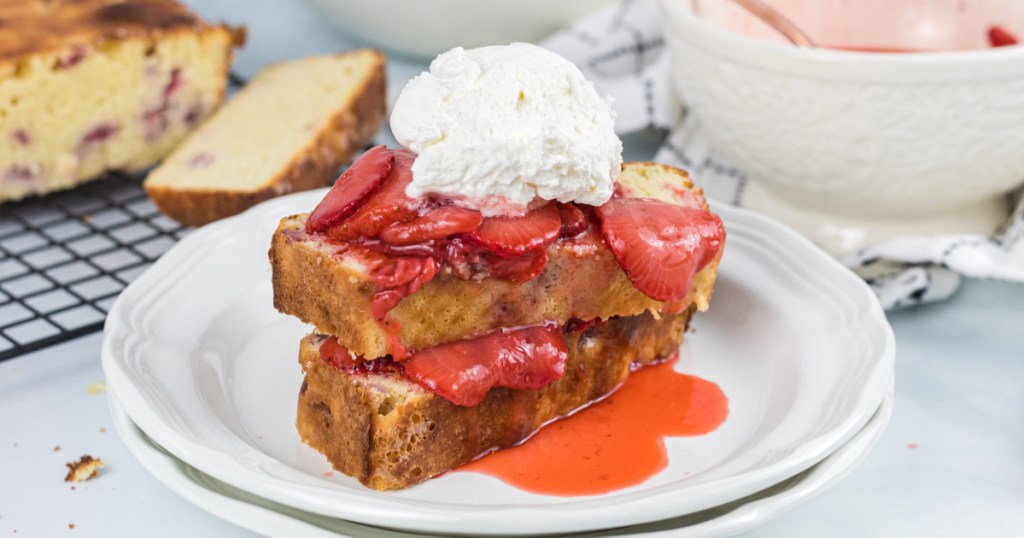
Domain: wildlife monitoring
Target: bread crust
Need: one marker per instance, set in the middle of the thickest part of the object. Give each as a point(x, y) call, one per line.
point(37, 27)
point(389, 433)
point(347, 131)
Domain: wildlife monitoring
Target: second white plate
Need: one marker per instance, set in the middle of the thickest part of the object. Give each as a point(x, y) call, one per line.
point(206, 367)
point(279, 521)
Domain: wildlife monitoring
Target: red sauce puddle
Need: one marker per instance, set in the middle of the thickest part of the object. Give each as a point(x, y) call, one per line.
point(613, 444)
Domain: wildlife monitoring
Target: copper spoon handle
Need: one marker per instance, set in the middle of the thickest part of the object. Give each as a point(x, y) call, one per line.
point(776, 20)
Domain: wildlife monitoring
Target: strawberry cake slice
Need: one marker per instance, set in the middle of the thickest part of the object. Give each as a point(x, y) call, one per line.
point(387, 273)
point(432, 321)
point(503, 270)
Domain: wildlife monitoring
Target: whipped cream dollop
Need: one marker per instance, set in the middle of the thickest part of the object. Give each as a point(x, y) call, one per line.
point(496, 128)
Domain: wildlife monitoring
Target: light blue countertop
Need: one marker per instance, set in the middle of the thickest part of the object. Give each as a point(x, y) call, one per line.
point(950, 464)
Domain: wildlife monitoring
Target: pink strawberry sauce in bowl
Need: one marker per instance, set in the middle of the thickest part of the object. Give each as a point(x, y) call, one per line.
point(883, 26)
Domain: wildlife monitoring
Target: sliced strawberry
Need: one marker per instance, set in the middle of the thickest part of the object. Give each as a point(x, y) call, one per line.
point(513, 236)
point(429, 248)
point(660, 246)
point(574, 222)
point(351, 189)
point(397, 278)
point(1001, 37)
point(463, 372)
point(436, 224)
point(386, 206)
point(336, 354)
point(519, 268)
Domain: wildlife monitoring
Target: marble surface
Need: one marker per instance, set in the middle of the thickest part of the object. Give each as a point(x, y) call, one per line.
point(950, 464)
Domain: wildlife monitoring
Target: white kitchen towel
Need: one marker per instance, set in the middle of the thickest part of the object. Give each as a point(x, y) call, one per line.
point(621, 50)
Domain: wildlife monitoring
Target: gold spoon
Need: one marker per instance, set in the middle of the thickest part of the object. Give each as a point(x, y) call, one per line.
point(776, 20)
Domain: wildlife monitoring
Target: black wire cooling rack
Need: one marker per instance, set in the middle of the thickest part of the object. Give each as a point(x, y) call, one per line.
point(65, 257)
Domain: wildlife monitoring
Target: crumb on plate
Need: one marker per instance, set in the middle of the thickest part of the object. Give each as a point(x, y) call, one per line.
point(98, 387)
point(85, 468)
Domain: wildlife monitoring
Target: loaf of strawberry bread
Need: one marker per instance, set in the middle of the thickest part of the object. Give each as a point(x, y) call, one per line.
point(96, 85)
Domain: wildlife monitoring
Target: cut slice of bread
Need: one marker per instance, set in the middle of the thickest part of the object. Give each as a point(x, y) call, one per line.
point(290, 129)
point(390, 433)
point(316, 282)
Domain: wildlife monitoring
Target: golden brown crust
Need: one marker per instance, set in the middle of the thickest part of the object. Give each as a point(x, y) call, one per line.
point(390, 434)
point(29, 27)
point(347, 131)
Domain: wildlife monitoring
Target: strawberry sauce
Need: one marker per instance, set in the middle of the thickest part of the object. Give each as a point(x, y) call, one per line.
point(615, 443)
point(998, 36)
point(881, 50)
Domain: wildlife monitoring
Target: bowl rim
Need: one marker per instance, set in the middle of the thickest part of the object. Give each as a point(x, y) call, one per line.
point(991, 64)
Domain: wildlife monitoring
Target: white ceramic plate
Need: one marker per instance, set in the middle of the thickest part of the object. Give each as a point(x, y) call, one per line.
point(279, 521)
point(206, 367)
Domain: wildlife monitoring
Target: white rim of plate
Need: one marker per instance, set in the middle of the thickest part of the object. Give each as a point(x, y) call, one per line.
point(591, 513)
point(271, 519)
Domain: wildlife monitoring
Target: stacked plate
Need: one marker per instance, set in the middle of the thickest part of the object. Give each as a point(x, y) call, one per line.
point(203, 382)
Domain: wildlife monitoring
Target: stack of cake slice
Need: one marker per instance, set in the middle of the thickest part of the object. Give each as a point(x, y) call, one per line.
point(429, 352)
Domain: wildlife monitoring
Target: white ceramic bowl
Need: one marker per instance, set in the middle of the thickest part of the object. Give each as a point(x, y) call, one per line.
point(425, 28)
point(893, 139)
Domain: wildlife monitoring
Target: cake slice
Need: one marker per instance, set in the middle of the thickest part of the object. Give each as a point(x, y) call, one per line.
point(375, 424)
point(97, 85)
point(502, 270)
point(290, 129)
point(333, 287)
